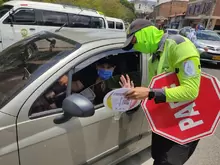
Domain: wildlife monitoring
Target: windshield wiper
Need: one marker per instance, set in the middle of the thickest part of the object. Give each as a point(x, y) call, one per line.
point(61, 27)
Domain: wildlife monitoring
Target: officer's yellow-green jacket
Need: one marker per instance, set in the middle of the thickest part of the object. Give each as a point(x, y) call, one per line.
point(171, 53)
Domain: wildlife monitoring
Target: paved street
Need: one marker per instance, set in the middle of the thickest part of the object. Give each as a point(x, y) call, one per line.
point(208, 150)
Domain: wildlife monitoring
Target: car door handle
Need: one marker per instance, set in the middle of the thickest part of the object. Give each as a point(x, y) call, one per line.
point(32, 29)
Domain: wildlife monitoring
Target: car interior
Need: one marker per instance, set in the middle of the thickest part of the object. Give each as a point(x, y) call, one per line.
point(126, 63)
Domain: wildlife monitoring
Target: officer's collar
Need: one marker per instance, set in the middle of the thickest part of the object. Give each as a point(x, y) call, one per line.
point(160, 49)
point(162, 43)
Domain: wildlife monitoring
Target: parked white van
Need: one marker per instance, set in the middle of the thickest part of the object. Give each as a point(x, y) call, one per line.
point(19, 19)
point(115, 23)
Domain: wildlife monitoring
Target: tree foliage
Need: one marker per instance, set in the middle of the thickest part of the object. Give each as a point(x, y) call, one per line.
point(113, 8)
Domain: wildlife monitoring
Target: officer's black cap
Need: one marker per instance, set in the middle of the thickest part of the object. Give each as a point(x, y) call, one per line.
point(135, 26)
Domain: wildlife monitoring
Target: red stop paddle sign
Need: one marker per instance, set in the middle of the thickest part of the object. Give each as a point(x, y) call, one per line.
point(184, 122)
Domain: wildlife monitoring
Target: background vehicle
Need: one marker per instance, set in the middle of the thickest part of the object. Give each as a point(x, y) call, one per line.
point(43, 122)
point(18, 19)
point(207, 43)
point(172, 31)
point(185, 31)
point(115, 23)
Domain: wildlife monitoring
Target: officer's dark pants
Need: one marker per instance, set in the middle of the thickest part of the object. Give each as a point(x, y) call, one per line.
point(166, 152)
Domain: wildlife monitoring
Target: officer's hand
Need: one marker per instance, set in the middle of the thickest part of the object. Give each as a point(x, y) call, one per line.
point(63, 80)
point(138, 93)
point(125, 82)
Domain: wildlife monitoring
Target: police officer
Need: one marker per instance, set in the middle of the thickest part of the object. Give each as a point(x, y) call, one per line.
point(168, 53)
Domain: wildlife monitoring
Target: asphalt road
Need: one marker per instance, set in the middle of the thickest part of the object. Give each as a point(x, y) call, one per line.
point(208, 150)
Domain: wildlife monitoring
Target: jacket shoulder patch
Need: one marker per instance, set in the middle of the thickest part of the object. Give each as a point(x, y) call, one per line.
point(189, 68)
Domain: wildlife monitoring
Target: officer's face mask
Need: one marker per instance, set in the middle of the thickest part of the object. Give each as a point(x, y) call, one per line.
point(142, 47)
point(147, 40)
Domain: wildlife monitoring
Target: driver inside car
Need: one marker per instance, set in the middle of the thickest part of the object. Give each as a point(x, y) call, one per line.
point(102, 83)
point(92, 86)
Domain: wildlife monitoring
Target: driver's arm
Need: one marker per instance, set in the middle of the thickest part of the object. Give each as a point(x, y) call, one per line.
point(76, 85)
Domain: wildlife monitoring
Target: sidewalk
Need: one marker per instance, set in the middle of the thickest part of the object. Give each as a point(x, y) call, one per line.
point(207, 153)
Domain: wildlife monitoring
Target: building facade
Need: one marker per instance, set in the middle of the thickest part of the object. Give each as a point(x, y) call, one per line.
point(144, 6)
point(170, 8)
point(206, 12)
point(165, 9)
point(163, 1)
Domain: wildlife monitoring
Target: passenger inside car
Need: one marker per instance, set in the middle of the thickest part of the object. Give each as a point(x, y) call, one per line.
point(104, 70)
point(101, 80)
point(93, 81)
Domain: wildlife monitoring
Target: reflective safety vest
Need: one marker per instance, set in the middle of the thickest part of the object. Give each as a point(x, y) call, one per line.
point(177, 54)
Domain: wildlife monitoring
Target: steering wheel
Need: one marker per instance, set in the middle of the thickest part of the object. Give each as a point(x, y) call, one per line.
point(56, 95)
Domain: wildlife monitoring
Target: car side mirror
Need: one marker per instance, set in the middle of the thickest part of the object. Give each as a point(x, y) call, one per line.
point(75, 105)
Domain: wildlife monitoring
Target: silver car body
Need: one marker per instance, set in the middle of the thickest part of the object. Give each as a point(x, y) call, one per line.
point(209, 49)
point(94, 140)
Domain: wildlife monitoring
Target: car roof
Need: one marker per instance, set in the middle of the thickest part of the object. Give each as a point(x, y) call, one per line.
point(53, 7)
point(85, 35)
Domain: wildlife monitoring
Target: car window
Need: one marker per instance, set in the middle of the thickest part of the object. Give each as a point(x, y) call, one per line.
point(24, 16)
point(207, 35)
point(85, 21)
point(87, 82)
point(172, 32)
point(51, 18)
point(119, 25)
point(26, 60)
point(111, 24)
point(4, 9)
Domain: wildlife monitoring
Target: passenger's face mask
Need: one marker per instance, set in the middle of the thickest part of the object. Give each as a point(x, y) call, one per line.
point(105, 74)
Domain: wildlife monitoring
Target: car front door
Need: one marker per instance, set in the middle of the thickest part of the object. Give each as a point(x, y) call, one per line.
point(99, 138)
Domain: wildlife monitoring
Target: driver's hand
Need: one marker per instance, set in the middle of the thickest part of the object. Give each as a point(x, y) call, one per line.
point(63, 80)
point(125, 82)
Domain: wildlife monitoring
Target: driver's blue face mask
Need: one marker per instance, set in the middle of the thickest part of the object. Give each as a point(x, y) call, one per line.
point(105, 74)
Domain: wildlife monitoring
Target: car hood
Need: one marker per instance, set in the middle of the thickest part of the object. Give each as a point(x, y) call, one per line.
point(215, 44)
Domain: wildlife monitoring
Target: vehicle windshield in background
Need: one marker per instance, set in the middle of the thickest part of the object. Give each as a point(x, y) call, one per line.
point(26, 60)
point(172, 32)
point(4, 9)
point(207, 35)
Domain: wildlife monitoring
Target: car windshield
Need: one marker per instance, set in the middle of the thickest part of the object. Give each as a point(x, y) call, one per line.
point(172, 31)
point(26, 60)
point(4, 9)
point(207, 35)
